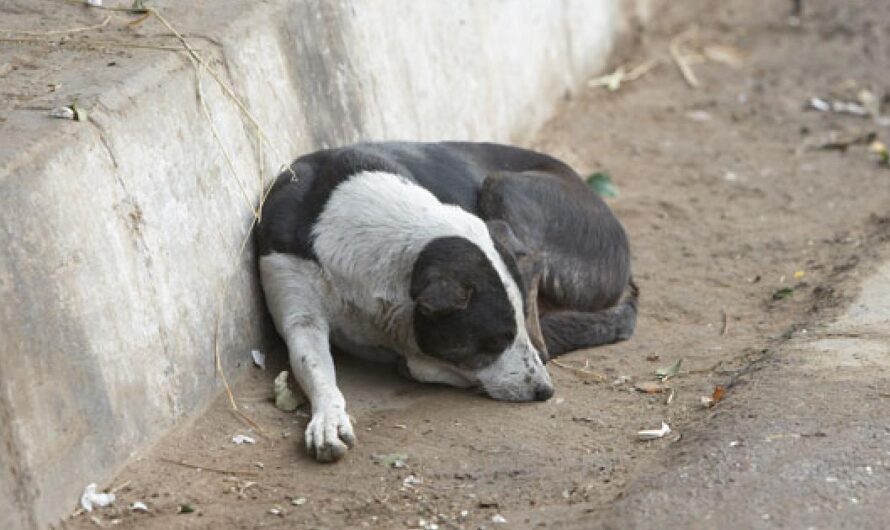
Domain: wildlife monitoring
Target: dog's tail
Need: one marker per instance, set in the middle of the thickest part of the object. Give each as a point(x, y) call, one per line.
point(566, 331)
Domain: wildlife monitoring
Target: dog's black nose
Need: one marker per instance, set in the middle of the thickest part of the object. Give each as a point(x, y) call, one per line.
point(543, 393)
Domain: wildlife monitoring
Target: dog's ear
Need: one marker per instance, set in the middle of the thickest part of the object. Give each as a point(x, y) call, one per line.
point(503, 235)
point(442, 296)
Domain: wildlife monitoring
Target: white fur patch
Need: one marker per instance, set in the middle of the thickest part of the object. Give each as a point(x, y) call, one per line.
point(367, 239)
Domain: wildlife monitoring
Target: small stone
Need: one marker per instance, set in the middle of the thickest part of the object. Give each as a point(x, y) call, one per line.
point(298, 501)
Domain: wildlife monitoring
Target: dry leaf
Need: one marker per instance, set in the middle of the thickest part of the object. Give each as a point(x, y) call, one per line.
point(716, 397)
point(881, 150)
point(724, 54)
point(666, 372)
point(651, 387)
point(396, 460)
point(719, 394)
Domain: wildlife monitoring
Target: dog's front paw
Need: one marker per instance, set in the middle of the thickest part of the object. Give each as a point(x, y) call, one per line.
point(329, 434)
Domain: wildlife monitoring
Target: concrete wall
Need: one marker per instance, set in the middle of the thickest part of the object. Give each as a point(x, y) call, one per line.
point(117, 236)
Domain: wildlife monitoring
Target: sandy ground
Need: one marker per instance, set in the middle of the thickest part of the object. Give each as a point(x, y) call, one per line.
point(727, 201)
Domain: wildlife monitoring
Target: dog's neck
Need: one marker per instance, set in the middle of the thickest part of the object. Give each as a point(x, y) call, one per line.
point(390, 220)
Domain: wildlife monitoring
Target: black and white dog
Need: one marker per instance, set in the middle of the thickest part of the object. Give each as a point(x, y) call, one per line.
point(466, 264)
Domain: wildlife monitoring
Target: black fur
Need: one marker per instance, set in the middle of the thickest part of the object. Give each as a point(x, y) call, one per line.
point(462, 314)
point(298, 197)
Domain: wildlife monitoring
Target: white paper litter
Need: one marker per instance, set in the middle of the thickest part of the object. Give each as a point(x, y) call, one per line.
point(820, 104)
point(498, 519)
point(139, 506)
point(699, 115)
point(849, 108)
point(842, 107)
point(94, 3)
point(240, 439)
point(91, 498)
point(285, 398)
point(63, 113)
point(654, 434)
point(259, 359)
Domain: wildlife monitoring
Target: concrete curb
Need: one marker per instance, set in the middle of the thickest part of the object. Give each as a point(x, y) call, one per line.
point(117, 235)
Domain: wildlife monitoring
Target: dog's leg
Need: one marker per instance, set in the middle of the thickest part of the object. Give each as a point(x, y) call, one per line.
point(295, 294)
point(565, 331)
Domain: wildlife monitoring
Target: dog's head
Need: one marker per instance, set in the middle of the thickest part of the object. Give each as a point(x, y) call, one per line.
point(469, 314)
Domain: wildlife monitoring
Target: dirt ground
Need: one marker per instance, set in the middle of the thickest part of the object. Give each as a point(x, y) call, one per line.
point(746, 236)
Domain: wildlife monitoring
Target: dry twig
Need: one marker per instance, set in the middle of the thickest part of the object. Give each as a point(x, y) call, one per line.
point(208, 468)
point(620, 75)
point(58, 31)
point(93, 44)
point(681, 59)
point(582, 371)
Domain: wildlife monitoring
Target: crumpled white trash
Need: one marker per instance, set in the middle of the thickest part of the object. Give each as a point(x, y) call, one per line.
point(91, 498)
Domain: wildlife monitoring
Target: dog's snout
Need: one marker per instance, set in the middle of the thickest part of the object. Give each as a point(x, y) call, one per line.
point(543, 392)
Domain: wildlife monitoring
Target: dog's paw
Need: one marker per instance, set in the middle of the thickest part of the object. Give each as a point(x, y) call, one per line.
point(329, 434)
